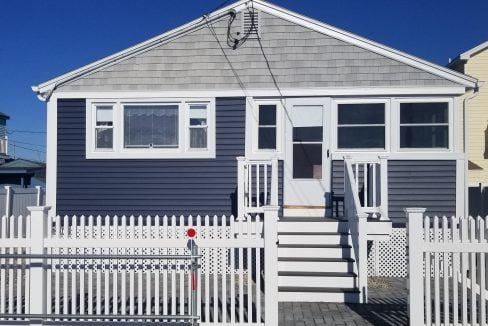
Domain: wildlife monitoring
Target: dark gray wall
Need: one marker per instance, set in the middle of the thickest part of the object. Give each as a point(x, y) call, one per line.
point(191, 186)
point(411, 183)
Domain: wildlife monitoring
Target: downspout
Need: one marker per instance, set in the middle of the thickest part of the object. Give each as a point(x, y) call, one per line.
point(474, 93)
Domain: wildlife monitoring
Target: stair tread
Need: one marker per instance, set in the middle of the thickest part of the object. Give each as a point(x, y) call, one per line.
point(293, 245)
point(314, 259)
point(313, 233)
point(317, 289)
point(312, 274)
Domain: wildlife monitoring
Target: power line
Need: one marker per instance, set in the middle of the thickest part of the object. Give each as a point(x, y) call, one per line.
point(25, 143)
point(25, 131)
point(29, 149)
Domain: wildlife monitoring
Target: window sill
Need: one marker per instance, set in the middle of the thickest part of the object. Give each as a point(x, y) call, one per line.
point(135, 155)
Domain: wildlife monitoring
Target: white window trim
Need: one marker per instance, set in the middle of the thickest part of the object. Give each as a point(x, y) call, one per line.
point(94, 124)
point(396, 123)
point(335, 125)
point(252, 130)
point(120, 152)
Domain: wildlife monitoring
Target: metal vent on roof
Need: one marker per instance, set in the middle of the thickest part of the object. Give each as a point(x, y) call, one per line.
point(250, 23)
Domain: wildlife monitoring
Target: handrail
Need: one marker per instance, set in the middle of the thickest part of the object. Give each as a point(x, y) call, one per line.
point(256, 185)
point(357, 220)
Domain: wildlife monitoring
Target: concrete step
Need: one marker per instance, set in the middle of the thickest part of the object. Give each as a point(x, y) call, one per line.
point(315, 264)
point(329, 226)
point(314, 251)
point(314, 279)
point(314, 237)
point(317, 294)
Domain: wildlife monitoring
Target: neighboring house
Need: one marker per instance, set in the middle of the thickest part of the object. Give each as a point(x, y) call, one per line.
point(474, 62)
point(157, 128)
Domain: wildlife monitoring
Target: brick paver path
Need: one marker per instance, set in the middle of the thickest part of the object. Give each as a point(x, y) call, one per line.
point(387, 306)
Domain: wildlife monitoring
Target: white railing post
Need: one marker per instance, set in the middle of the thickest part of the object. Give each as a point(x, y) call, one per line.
point(271, 264)
point(415, 265)
point(383, 188)
point(362, 258)
point(241, 161)
point(38, 196)
point(37, 297)
point(274, 182)
point(8, 201)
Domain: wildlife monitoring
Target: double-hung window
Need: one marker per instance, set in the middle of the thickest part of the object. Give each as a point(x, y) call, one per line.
point(198, 126)
point(104, 127)
point(424, 125)
point(361, 126)
point(267, 127)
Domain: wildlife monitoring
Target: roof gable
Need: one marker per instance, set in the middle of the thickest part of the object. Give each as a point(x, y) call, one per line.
point(323, 37)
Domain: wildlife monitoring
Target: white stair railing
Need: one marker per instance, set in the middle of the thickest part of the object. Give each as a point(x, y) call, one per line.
point(371, 184)
point(357, 218)
point(257, 185)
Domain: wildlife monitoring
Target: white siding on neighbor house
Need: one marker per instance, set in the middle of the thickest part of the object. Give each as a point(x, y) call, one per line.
point(298, 56)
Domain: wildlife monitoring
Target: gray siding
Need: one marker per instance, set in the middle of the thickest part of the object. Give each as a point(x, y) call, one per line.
point(411, 183)
point(299, 58)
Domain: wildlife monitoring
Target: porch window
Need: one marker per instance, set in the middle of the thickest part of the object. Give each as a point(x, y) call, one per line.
point(307, 142)
point(198, 126)
point(361, 126)
point(104, 127)
point(267, 127)
point(424, 125)
point(149, 126)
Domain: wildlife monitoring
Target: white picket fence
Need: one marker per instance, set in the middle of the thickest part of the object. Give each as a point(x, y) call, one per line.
point(72, 280)
point(447, 272)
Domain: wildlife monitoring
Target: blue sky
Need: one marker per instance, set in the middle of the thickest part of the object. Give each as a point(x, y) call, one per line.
point(42, 39)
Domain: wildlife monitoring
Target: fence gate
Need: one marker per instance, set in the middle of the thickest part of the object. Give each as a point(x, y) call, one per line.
point(447, 269)
point(134, 268)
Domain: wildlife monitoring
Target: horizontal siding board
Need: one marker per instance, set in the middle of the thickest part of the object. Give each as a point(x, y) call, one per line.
point(173, 186)
point(412, 183)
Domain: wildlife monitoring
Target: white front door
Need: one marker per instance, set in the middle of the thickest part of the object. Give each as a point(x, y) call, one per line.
point(306, 164)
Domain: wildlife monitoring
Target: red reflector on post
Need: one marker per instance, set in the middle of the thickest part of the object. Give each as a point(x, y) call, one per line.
point(191, 233)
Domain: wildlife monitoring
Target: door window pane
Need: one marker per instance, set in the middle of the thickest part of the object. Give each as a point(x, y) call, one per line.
point(307, 161)
point(361, 125)
point(307, 134)
point(424, 125)
point(151, 126)
point(267, 127)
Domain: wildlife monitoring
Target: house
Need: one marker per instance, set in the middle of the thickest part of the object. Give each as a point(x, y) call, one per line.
point(255, 105)
point(474, 62)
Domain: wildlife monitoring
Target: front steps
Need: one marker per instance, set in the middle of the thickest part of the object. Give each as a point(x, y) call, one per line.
point(315, 261)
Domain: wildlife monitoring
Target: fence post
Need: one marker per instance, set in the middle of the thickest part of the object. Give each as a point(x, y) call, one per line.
point(415, 265)
point(240, 187)
point(274, 181)
point(362, 219)
point(38, 217)
point(39, 194)
point(271, 264)
point(8, 201)
point(384, 188)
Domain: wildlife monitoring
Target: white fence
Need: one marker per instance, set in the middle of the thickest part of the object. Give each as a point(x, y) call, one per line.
point(257, 185)
point(71, 279)
point(454, 292)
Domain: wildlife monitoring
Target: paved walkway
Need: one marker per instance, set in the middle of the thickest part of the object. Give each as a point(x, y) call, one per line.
point(387, 306)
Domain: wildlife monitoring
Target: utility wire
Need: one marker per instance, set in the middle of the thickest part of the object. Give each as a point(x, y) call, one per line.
point(25, 143)
point(29, 149)
point(25, 131)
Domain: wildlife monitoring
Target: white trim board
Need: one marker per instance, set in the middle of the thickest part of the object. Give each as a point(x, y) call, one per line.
point(46, 88)
point(286, 92)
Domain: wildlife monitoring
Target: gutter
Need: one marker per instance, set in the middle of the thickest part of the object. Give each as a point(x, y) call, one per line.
point(468, 98)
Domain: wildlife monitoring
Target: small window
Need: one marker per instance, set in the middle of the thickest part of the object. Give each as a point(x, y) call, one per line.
point(361, 126)
point(307, 141)
point(424, 125)
point(198, 126)
point(104, 128)
point(151, 126)
point(267, 127)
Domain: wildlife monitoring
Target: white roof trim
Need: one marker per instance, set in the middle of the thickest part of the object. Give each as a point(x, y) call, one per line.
point(468, 54)
point(46, 88)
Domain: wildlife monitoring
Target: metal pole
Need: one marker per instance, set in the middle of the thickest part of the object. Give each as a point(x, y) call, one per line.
point(194, 279)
